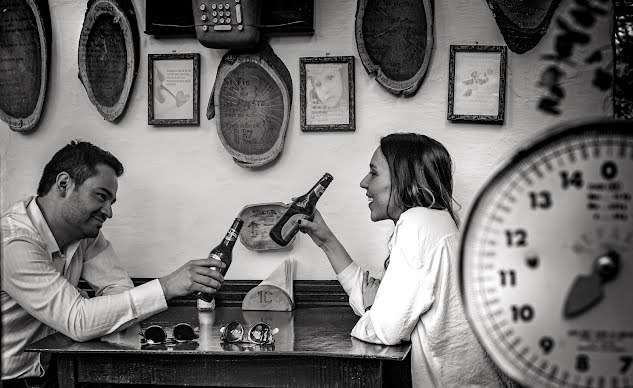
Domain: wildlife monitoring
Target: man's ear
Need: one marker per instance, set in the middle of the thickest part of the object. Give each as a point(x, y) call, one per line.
point(63, 183)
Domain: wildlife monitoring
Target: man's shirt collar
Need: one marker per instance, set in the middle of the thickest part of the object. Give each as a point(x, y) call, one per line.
point(39, 222)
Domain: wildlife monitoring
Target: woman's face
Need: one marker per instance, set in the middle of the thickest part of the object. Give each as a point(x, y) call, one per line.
point(328, 86)
point(377, 184)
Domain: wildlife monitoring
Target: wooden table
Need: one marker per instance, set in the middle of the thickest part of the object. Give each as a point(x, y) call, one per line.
point(312, 349)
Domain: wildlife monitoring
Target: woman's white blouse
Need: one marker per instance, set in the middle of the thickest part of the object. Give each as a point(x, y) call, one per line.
point(419, 301)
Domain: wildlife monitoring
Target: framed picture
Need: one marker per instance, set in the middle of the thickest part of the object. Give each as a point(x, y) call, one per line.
point(327, 93)
point(173, 89)
point(477, 83)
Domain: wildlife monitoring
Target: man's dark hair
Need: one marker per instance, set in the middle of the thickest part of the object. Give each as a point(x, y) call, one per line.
point(79, 159)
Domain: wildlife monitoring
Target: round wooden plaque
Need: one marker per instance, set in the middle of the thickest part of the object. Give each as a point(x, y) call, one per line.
point(24, 61)
point(522, 23)
point(108, 55)
point(252, 95)
point(395, 42)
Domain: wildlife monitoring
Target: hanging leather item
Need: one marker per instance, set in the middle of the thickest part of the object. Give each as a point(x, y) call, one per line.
point(522, 23)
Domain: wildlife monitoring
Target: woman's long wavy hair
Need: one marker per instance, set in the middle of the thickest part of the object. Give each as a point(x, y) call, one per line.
point(421, 172)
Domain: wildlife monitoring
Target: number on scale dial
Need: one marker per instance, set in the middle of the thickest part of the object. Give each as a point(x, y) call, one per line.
point(547, 260)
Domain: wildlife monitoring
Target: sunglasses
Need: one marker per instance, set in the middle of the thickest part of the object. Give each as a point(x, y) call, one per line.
point(260, 333)
point(155, 334)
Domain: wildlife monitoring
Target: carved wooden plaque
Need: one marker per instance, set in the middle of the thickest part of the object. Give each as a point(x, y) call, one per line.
point(109, 55)
point(259, 219)
point(395, 41)
point(252, 95)
point(25, 41)
point(523, 23)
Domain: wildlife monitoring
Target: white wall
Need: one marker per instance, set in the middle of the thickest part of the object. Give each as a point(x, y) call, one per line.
point(181, 189)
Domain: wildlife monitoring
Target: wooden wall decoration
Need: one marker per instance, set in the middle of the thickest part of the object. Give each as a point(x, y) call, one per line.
point(25, 41)
point(252, 95)
point(523, 23)
point(395, 41)
point(259, 219)
point(109, 55)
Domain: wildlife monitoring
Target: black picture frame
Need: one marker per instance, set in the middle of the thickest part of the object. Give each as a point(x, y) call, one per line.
point(477, 83)
point(327, 107)
point(173, 96)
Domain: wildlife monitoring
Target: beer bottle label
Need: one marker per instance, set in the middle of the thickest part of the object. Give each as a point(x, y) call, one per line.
point(290, 227)
point(214, 256)
point(304, 203)
point(231, 235)
point(318, 191)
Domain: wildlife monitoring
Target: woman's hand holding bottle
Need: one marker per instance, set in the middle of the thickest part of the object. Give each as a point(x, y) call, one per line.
point(317, 229)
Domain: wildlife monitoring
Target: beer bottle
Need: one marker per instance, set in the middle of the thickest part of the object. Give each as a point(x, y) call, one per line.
point(302, 207)
point(223, 252)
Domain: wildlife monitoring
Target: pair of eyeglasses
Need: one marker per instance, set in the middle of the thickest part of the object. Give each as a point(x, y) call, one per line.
point(260, 333)
point(155, 334)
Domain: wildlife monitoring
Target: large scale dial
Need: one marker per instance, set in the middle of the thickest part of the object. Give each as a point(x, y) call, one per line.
point(547, 260)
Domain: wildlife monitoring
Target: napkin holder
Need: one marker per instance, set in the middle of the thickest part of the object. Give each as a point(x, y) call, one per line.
point(275, 293)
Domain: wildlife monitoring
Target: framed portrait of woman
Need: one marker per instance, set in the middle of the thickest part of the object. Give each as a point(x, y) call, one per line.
point(327, 93)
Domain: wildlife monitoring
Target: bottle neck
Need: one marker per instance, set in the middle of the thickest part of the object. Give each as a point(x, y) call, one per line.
point(231, 236)
point(312, 196)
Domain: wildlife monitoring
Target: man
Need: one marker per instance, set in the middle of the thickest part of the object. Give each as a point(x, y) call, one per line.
point(52, 240)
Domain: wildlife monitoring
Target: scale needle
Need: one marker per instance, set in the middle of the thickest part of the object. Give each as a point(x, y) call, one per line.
point(586, 292)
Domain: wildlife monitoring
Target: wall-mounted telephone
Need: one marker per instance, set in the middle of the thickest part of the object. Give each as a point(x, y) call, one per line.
point(227, 23)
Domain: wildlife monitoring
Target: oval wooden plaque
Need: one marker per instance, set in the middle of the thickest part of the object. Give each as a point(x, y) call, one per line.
point(522, 23)
point(25, 41)
point(108, 55)
point(395, 41)
point(259, 219)
point(252, 94)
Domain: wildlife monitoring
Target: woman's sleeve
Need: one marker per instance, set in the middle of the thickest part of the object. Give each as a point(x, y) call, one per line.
point(351, 278)
point(406, 291)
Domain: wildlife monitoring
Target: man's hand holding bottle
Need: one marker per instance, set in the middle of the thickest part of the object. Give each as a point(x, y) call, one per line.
point(193, 276)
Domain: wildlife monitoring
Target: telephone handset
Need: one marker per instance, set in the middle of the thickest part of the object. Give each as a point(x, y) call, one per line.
point(227, 23)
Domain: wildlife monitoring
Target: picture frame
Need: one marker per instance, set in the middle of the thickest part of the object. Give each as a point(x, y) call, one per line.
point(327, 94)
point(173, 89)
point(477, 83)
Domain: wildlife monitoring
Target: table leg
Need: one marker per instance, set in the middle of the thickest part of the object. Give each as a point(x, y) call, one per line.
point(66, 375)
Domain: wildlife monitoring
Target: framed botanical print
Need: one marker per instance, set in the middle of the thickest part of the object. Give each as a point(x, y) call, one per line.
point(477, 79)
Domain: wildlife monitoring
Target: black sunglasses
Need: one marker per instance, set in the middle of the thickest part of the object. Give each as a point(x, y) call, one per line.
point(155, 334)
point(260, 333)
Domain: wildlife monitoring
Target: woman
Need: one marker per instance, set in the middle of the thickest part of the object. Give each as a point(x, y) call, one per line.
point(327, 84)
point(327, 94)
point(410, 183)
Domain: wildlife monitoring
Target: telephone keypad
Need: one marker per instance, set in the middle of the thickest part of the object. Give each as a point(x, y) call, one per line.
point(221, 13)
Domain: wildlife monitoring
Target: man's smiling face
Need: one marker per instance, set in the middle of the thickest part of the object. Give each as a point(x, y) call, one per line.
point(87, 206)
